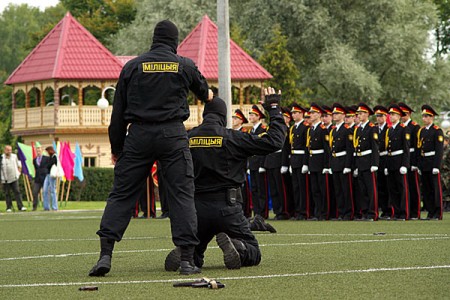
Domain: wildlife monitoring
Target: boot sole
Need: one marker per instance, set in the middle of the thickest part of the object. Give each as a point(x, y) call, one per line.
point(231, 256)
point(173, 260)
point(100, 272)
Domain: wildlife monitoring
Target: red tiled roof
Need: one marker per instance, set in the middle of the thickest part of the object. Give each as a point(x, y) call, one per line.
point(201, 46)
point(68, 51)
point(125, 58)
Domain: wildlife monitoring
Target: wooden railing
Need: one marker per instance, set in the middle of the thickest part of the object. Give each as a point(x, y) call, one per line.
point(85, 116)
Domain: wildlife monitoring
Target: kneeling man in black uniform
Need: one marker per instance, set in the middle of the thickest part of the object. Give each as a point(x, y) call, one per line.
point(219, 156)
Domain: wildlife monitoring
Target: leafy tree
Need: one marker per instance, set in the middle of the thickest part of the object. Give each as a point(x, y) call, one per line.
point(279, 62)
point(442, 32)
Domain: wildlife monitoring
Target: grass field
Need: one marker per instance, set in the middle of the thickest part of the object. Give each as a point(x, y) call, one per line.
point(47, 255)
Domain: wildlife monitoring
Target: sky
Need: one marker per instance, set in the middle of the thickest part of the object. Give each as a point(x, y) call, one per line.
point(42, 4)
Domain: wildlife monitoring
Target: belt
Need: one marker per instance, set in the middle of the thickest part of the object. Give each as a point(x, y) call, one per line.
point(363, 153)
point(319, 151)
point(338, 154)
point(278, 151)
point(431, 153)
point(395, 153)
point(298, 151)
point(411, 149)
point(384, 153)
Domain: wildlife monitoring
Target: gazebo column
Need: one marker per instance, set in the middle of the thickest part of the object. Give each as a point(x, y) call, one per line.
point(262, 91)
point(199, 115)
point(241, 94)
point(56, 103)
point(14, 105)
point(80, 102)
point(27, 104)
point(42, 103)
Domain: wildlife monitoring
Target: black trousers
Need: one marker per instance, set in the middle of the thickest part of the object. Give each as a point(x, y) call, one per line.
point(383, 194)
point(301, 193)
point(214, 216)
point(414, 194)
point(162, 189)
point(331, 198)
point(319, 194)
point(144, 144)
point(246, 197)
point(432, 194)
point(399, 193)
point(344, 196)
point(368, 194)
point(278, 193)
point(37, 186)
point(259, 193)
point(14, 186)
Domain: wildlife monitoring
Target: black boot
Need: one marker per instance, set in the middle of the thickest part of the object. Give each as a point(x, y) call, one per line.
point(231, 256)
point(173, 260)
point(187, 266)
point(259, 224)
point(104, 263)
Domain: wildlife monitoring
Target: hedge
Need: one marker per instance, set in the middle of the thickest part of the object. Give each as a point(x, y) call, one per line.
point(96, 185)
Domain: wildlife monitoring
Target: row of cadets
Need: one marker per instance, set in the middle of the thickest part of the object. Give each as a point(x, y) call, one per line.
point(238, 120)
point(256, 168)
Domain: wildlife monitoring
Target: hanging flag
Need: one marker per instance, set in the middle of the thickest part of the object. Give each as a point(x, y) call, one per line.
point(33, 149)
point(25, 155)
point(78, 167)
point(67, 160)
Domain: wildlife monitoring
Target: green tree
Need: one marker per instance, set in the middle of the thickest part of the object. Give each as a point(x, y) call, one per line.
point(279, 62)
point(442, 32)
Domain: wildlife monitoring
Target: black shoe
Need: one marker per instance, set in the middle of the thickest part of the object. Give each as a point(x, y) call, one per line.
point(173, 260)
point(188, 268)
point(102, 267)
point(163, 216)
point(231, 256)
point(300, 218)
point(312, 219)
point(270, 228)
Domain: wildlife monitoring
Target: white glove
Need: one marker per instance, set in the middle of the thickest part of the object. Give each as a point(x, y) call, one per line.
point(435, 171)
point(355, 173)
point(346, 170)
point(403, 170)
point(284, 169)
point(373, 169)
point(290, 169)
point(326, 171)
point(414, 168)
point(248, 171)
point(261, 170)
point(386, 172)
point(418, 171)
point(305, 169)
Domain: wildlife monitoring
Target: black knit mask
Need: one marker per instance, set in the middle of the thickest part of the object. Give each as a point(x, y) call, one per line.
point(166, 33)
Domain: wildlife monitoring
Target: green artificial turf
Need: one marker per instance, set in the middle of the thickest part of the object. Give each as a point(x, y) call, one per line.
point(47, 255)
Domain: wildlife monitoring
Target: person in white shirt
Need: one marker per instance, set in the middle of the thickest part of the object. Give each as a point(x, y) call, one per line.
point(10, 172)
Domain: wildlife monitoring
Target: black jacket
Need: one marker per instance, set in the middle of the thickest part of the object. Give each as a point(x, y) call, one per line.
point(414, 151)
point(153, 88)
point(382, 146)
point(41, 170)
point(366, 140)
point(340, 141)
point(257, 161)
point(297, 136)
point(397, 140)
point(429, 140)
point(318, 141)
point(220, 154)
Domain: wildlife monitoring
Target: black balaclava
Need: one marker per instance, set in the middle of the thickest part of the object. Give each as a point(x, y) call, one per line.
point(216, 110)
point(166, 33)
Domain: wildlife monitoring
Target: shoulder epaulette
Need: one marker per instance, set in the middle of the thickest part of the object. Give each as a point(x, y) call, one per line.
point(323, 126)
point(414, 123)
point(403, 125)
point(263, 126)
point(346, 126)
point(306, 124)
point(371, 124)
point(436, 127)
point(333, 126)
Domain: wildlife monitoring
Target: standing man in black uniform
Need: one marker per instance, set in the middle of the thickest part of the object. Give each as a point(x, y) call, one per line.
point(381, 113)
point(256, 167)
point(414, 154)
point(341, 157)
point(299, 163)
point(238, 120)
point(219, 156)
point(431, 144)
point(318, 163)
point(150, 105)
point(286, 175)
point(349, 120)
point(397, 163)
point(365, 141)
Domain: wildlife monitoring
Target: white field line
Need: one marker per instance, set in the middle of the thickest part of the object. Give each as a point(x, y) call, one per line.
point(262, 245)
point(337, 272)
point(268, 235)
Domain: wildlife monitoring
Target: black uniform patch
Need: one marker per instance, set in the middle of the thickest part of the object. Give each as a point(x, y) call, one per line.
point(160, 67)
point(205, 142)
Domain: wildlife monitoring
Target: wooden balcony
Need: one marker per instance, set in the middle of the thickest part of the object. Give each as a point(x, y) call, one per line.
point(85, 119)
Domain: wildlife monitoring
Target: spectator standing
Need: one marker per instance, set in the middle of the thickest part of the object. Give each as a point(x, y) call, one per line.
point(41, 166)
point(50, 182)
point(11, 168)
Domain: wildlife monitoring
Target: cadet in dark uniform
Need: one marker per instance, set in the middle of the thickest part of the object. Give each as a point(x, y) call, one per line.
point(150, 105)
point(414, 154)
point(299, 163)
point(238, 120)
point(431, 144)
point(397, 163)
point(219, 156)
point(256, 166)
point(285, 171)
point(318, 163)
point(349, 120)
point(341, 157)
point(381, 113)
point(365, 141)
